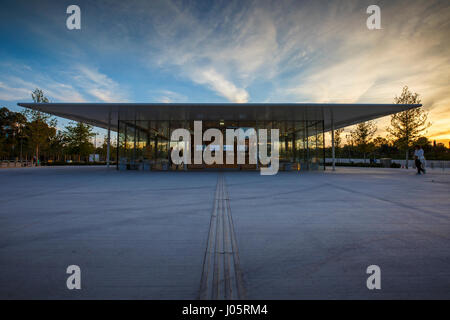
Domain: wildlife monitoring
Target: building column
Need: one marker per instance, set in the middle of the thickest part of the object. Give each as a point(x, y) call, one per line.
point(108, 141)
point(307, 145)
point(332, 142)
point(257, 147)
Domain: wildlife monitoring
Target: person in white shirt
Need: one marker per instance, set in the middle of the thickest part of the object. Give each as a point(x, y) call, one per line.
point(419, 159)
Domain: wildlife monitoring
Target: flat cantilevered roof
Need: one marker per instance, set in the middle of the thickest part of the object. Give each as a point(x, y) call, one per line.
point(97, 114)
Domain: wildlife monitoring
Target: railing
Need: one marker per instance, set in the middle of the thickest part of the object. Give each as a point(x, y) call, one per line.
point(432, 164)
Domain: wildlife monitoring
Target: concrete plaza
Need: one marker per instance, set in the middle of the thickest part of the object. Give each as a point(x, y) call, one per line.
point(143, 235)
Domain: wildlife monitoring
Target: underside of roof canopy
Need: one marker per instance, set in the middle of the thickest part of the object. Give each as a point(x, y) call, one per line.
point(97, 114)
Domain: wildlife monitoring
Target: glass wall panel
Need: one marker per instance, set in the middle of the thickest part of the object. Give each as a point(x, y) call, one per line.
point(301, 143)
point(290, 141)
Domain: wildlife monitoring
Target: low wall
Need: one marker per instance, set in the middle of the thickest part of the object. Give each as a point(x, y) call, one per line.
point(14, 164)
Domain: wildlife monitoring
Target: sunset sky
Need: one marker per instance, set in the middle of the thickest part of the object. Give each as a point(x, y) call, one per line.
point(228, 51)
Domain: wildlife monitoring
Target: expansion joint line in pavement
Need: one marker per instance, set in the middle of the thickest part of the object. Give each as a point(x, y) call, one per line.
point(222, 276)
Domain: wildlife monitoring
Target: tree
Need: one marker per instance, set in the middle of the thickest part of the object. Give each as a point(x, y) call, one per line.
point(383, 147)
point(406, 126)
point(77, 139)
point(112, 150)
point(338, 139)
point(424, 142)
point(362, 135)
point(380, 142)
point(56, 145)
point(38, 96)
point(11, 132)
point(5, 127)
point(41, 127)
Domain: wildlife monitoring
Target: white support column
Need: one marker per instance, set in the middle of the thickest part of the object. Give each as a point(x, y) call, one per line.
point(108, 141)
point(332, 141)
point(257, 149)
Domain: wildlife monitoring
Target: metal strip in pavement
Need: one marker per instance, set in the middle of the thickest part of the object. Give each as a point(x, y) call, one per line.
point(221, 277)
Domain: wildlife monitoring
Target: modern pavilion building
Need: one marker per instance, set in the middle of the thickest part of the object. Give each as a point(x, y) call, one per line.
point(144, 129)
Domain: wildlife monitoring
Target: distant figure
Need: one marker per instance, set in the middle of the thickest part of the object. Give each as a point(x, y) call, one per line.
point(419, 159)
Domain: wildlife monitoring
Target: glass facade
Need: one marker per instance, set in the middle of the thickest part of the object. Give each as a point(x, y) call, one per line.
point(145, 145)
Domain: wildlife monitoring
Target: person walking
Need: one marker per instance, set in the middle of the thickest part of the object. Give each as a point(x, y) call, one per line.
point(419, 159)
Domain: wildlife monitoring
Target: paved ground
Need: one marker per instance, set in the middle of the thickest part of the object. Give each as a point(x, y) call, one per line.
point(297, 236)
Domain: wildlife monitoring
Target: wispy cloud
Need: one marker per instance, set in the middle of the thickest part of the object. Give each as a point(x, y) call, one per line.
point(10, 93)
point(358, 65)
point(79, 84)
point(219, 84)
point(249, 51)
point(167, 96)
point(19, 89)
point(224, 52)
point(99, 85)
point(305, 51)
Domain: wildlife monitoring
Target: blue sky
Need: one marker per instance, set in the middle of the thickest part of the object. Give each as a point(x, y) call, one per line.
point(219, 51)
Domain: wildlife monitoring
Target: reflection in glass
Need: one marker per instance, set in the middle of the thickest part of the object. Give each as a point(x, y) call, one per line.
point(301, 143)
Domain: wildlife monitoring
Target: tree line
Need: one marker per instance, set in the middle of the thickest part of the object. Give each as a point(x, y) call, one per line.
point(32, 135)
point(406, 130)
